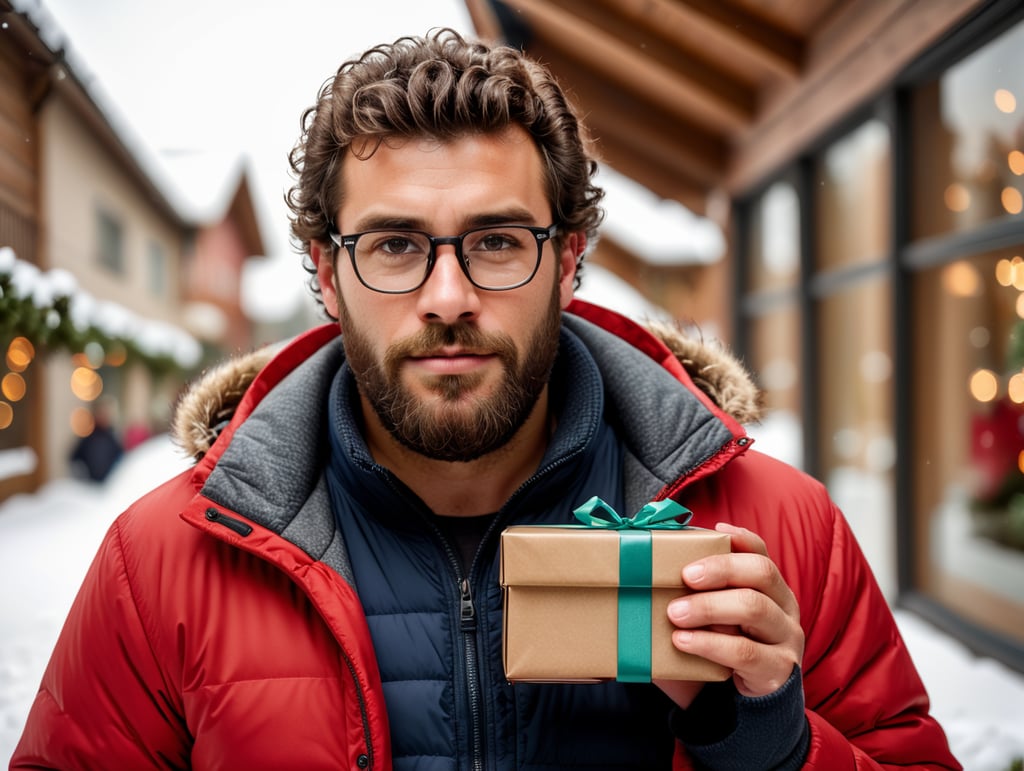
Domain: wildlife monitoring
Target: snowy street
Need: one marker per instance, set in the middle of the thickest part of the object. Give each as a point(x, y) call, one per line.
point(47, 541)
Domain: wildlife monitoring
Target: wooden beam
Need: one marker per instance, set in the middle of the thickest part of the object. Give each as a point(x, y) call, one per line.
point(720, 33)
point(669, 151)
point(655, 44)
point(623, 115)
point(855, 65)
point(600, 51)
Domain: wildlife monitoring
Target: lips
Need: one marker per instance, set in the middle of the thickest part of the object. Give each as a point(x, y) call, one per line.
point(450, 361)
point(448, 353)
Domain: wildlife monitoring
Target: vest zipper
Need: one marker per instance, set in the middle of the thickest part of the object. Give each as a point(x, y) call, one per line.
point(468, 628)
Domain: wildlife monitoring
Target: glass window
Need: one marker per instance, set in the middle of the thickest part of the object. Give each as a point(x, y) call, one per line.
point(969, 437)
point(775, 359)
point(775, 239)
point(968, 148)
point(858, 452)
point(157, 269)
point(110, 242)
point(853, 191)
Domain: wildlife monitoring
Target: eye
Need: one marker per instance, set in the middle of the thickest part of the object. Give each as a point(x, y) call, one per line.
point(396, 243)
point(496, 240)
point(493, 242)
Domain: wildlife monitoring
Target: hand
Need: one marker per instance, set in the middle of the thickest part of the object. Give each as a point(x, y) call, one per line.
point(742, 615)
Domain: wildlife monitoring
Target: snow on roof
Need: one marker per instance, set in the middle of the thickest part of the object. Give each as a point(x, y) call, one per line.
point(153, 338)
point(658, 230)
point(174, 178)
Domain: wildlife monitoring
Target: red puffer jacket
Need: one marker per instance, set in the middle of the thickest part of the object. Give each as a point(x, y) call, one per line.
point(234, 639)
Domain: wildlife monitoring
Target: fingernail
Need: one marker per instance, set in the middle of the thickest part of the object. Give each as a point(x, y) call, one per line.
point(693, 573)
point(683, 636)
point(679, 610)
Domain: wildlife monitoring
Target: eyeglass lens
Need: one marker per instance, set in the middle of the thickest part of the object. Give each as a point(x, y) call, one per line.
point(495, 257)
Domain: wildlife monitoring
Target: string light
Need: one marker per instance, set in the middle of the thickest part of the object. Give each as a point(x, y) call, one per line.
point(984, 385)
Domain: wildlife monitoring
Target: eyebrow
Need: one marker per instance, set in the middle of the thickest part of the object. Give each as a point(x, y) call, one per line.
point(511, 216)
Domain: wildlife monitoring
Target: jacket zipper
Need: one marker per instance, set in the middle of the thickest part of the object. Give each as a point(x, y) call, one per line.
point(231, 523)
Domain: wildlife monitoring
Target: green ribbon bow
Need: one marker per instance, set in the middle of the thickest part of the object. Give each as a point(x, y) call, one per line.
point(635, 569)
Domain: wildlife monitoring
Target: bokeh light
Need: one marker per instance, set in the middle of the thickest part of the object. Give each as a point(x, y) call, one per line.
point(1016, 162)
point(1012, 200)
point(1015, 388)
point(86, 384)
point(20, 354)
point(1005, 101)
point(82, 422)
point(961, 279)
point(117, 355)
point(984, 385)
point(13, 387)
point(957, 197)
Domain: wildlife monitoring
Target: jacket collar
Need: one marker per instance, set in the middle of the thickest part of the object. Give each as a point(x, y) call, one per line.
point(235, 418)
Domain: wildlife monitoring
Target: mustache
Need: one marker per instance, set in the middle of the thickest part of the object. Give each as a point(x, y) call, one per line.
point(435, 336)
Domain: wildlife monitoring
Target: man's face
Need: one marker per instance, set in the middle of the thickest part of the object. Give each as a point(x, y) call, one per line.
point(450, 370)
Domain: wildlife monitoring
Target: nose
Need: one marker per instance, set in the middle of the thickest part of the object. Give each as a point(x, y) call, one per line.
point(448, 295)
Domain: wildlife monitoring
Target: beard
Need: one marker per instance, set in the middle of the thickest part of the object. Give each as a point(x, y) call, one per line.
point(453, 423)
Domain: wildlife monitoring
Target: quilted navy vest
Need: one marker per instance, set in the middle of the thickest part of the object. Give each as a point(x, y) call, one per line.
point(437, 628)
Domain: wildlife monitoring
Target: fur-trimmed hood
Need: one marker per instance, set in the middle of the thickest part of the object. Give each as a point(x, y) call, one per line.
point(208, 404)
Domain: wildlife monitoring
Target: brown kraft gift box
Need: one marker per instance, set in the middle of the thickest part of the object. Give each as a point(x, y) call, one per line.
point(561, 603)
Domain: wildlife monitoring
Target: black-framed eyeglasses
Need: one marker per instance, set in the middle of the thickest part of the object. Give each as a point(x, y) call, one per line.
point(496, 257)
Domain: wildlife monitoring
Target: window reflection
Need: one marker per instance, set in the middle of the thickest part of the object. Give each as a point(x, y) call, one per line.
point(968, 140)
point(775, 239)
point(853, 188)
point(775, 358)
point(969, 425)
point(855, 439)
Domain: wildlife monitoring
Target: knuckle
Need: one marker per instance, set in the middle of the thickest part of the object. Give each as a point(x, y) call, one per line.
point(747, 653)
point(765, 572)
point(752, 603)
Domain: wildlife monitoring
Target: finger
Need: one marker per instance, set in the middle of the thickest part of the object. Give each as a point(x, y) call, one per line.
point(753, 571)
point(758, 669)
point(743, 540)
point(750, 612)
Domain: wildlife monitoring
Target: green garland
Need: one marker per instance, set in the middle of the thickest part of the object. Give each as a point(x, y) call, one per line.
point(50, 329)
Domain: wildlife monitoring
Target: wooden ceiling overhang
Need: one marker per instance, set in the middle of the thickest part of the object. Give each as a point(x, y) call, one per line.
point(696, 98)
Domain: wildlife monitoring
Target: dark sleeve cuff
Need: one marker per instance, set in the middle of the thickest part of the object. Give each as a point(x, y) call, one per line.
point(724, 730)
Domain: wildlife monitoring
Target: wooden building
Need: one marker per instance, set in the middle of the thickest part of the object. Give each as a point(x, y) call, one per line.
point(866, 161)
point(78, 196)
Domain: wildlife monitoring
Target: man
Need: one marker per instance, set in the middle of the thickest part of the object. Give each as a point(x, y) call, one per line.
point(331, 598)
point(97, 453)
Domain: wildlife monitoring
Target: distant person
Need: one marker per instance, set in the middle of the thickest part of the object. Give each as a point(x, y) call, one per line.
point(321, 591)
point(95, 455)
point(135, 434)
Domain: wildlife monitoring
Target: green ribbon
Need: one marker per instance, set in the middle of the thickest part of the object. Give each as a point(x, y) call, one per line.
point(635, 569)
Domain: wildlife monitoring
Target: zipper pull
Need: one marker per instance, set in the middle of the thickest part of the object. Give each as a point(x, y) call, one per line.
point(468, 612)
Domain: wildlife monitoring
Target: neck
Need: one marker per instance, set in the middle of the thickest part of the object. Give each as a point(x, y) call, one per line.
point(464, 489)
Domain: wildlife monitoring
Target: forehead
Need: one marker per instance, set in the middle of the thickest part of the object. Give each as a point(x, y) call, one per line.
point(432, 183)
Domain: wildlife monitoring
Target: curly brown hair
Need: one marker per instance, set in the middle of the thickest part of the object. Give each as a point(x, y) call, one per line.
point(440, 86)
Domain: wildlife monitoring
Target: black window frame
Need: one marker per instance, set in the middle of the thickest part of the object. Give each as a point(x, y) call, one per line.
point(906, 257)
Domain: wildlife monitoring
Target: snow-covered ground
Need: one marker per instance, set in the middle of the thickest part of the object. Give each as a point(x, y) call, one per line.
point(47, 541)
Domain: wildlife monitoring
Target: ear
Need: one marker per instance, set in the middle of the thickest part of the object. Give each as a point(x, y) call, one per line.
point(323, 257)
point(574, 246)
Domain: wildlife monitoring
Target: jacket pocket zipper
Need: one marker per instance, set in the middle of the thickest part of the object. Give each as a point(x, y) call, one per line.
point(237, 525)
